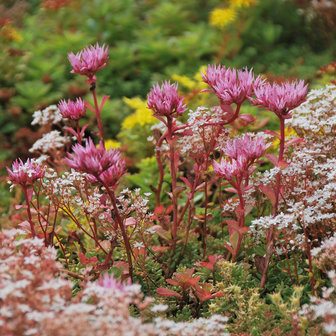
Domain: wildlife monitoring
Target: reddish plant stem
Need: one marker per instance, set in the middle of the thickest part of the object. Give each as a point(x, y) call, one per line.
point(98, 116)
point(62, 248)
point(234, 117)
point(206, 166)
point(32, 229)
point(241, 215)
point(282, 139)
point(204, 237)
point(79, 136)
point(185, 208)
point(37, 208)
point(161, 171)
point(73, 274)
point(121, 226)
point(191, 209)
point(296, 270)
point(52, 233)
point(94, 227)
point(308, 248)
point(171, 140)
point(220, 204)
point(187, 232)
point(288, 267)
point(284, 267)
point(71, 215)
point(270, 234)
point(309, 256)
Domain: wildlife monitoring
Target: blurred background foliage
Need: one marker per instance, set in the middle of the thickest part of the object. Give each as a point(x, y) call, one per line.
point(150, 40)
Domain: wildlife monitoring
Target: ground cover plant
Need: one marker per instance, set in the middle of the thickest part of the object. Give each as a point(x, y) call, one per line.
point(230, 231)
point(174, 176)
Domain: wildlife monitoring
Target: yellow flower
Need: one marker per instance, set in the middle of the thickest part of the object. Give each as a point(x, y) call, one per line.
point(198, 77)
point(222, 17)
point(184, 81)
point(135, 103)
point(142, 115)
point(289, 133)
point(193, 83)
point(112, 144)
point(9, 33)
point(242, 3)
point(109, 143)
point(148, 161)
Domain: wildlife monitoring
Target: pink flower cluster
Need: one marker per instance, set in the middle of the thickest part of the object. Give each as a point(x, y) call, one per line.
point(26, 173)
point(235, 86)
point(228, 169)
point(245, 146)
point(231, 85)
point(103, 165)
point(89, 60)
point(242, 153)
point(280, 98)
point(109, 282)
point(165, 101)
point(73, 110)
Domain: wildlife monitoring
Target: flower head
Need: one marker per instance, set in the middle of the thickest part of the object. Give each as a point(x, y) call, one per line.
point(110, 282)
point(242, 3)
point(280, 98)
point(230, 85)
point(101, 164)
point(228, 169)
point(72, 110)
point(89, 60)
point(221, 17)
point(142, 115)
point(50, 115)
point(26, 173)
point(165, 101)
point(111, 176)
point(251, 149)
point(242, 153)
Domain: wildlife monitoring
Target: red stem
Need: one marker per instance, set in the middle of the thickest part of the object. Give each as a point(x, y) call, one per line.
point(170, 140)
point(204, 242)
point(161, 171)
point(32, 229)
point(241, 219)
point(62, 248)
point(121, 226)
point(98, 112)
point(79, 136)
point(270, 235)
point(191, 208)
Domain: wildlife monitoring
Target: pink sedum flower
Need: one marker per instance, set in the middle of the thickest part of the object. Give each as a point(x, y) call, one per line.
point(165, 101)
point(101, 164)
point(228, 169)
point(280, 98)
point(72, 110)
point(109, 282)
point(111, 176)
point(89, 60)
point(242, 153)
point(230, 85)
point(25, 174)
point(246, 146)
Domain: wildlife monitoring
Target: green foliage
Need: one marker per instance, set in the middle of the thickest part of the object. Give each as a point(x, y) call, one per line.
point(147, 175)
